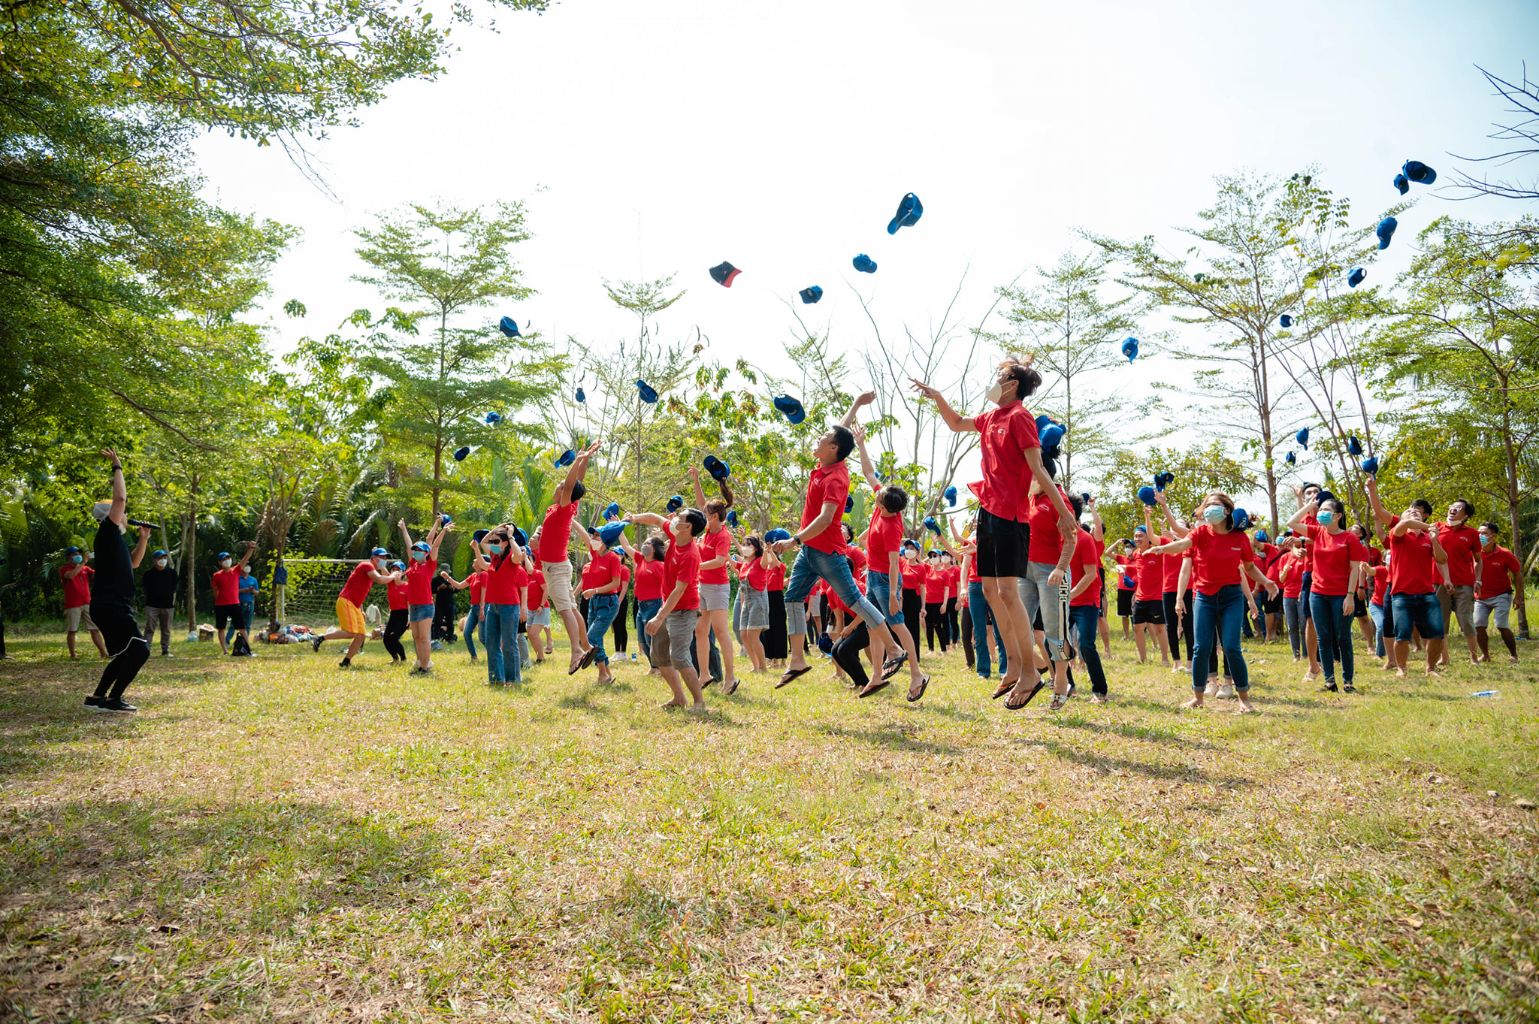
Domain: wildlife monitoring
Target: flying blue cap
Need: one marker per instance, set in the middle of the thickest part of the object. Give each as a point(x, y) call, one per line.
point(931, 525)
point(951, 495)
point(791, 408)
point(811, 294)
point(1162, 480)
point(159, 553)
point(865, 264)
point(1302, 437)
point(1240, 519)
point(581, 395)
point(910, 209)
point(732, 518)
point(724, 273)
point(566, 458)
point(612, 511)
point(718, 469)
point(1402, 183)
point(1386, 231)
point(1130, 348)
point(1052, 437)
point(1356, 276)
point(1354, 446)
point(461, 454)
point(1290, 458)
point(675, 503)
point(1419, 172)
point(1371, 465)
point(494, 418)
point(610, 533)
point(648, 395)
point(1146, 495)
point(776, 535)
point(508, 327)
point(1285, 320)
point(379, 553)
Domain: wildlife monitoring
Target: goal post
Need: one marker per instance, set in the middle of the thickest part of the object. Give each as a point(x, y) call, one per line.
point(310, 597)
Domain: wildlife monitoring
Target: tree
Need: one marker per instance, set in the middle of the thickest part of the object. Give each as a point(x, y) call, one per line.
point(1465, 345)
point(1198, 472)
point(1072, 330)
point(1519, 136)
point(438, 380)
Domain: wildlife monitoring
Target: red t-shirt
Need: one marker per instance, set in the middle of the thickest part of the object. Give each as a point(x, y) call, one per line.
point(1462, 543)
point(1005, 434)
point(1149, 580)
point(775, 578)
point(1494, 578)
point(1127, 572)
point(971, 553)
point(883, 539)
point(953, 579)
point(535, 596)
point(713, 546)
point(625, 578)
point(1216, 558)
point(395, 596)
point(1412, 567)
point(1170, 567)
point(556, 533)
point(933, 581)
point(358, 584)
point(477, 583)
point(1380, 584)
point(1046, 544)
point(77, 590)
point(913, 572)
point(1290, 575)
point(227, 586)
point(419, 581)
point(755, 575)
point(857, 559)
point(1334, 555)
point(1086, 561)
point(503, 580)
point(683, 564)
point(649, 581)
point(601, 570)
point(826, 485)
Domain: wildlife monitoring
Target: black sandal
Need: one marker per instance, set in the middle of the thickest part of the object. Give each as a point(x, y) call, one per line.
point(791, 675)
point(1034, 691)
point(891, 665)
point(880, 684)
point(924, 684)
point(1003, 689)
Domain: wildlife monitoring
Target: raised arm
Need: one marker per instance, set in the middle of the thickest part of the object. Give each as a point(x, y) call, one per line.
point(250, 549)
point(119, 490)
point(1176, 529)
point(574, 473)
point(861, 400)
point(956, 421)
point(694, 477)
point(1175, 547)
point(144, 542)
point(646, 519)
point(440, 532)
point(1302, 515)
point(1380, 513)
point(405, 537)
point(866, 469)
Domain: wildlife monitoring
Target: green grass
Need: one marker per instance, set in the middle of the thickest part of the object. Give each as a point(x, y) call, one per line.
point(278, 840)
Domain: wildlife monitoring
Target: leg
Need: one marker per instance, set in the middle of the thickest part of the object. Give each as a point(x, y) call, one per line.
point(1173, 629)
point(1086, 619)
point(978, 612)
point(472, 620)
point(512, 660)
point(1230, 626)
point(1324, 617)
point(1204, 633)
point(847, 656)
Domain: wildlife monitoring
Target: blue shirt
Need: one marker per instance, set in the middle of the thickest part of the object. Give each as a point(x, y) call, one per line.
point(249, 585)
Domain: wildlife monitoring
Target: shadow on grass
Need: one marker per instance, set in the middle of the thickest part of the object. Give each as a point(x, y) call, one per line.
point(893, 738)
point(1166, 772)
point(1150, 733)
point(582, 700)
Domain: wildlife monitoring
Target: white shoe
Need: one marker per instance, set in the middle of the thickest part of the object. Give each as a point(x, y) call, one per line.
point(1211, 690)
point(1225, 692)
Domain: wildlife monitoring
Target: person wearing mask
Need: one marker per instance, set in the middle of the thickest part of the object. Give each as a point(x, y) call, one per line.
point(649, 587)
point(395, 625)
point(713, 630)
point(506, 600)
point(1177, 627)
point(76, 577)
point(228, 619)
point(1290, 580)
point(753, 595)
point(420, 573)
point(1417, 560)
point(1340, 559)
point(351, 625)
point(159, 587)
point(1456, 596)
point(1148, 595)
point(601, 585)
point(112, 598)
point(1500, 589)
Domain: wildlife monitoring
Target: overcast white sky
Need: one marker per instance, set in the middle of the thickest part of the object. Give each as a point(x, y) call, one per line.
point(649, 138)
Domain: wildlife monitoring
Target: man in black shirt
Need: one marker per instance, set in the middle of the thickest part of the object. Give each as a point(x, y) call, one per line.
point(112, 597)
point(159, 583)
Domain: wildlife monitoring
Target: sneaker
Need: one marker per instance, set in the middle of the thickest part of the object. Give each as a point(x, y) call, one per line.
point(1329, 687)
point(94, 702)
point(418, 670)
point(1225, 691)
point(315, 644)
point(116, 704)
point(1348, 688)
point(345, 663)
point(165, 654)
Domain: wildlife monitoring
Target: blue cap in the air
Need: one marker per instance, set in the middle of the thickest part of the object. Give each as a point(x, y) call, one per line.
point(1356, 277)
point(951, 495)
point(461, 454)
point(508, 327)
point(865, 264)
point(1386, 231)
point(910, 209)
point(1302, 437)
point(648, 395)
point(724, 274)
point(675, 503)
point(1419, 172)
point(566, 458)
point(811, 294)
point(791, 408)
point(1130, 348)
point(1146, 495)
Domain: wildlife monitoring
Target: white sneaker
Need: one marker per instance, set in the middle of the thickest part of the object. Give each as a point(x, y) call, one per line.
point(1225, 692)
point(1211, 690)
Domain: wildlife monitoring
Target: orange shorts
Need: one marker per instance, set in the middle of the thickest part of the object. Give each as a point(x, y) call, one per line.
point(350, 617)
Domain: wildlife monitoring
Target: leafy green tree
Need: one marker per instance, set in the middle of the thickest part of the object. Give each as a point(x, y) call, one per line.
point(1198, 472)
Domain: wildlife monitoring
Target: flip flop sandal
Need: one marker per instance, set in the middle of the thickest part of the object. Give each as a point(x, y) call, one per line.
point(791, 675)
point(924, 684)
point(587, 658)
point(890, 666)
point(1003, 689)
point(1034, 691)
point(881, 684)
point(728, 689)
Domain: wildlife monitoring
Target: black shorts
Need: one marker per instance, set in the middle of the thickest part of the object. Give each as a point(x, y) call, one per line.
point(227, 613)
point(1124, 602)
point(1002, 545)
point(118, 630)
point(1152, 612)
point(1273, 605)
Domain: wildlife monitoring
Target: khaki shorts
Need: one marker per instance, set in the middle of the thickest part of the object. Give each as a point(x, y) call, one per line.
point(350, 617)
point(74, 617)
point(558, 585)
point(675, 636)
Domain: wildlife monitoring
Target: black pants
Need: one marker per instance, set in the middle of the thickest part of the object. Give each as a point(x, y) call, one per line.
point(967, 640)
point(934, 623)
point(622, 637)
point(775, 647)
point(443, 618)
point(847, 655)
point(128, 649)
point(953, 623)
point(1175, 628)
point(392, 636)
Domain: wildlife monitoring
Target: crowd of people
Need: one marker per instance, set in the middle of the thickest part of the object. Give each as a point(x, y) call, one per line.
point(1022, 588)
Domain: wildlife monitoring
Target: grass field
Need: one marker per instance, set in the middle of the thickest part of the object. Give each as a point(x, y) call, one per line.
point(278, 840)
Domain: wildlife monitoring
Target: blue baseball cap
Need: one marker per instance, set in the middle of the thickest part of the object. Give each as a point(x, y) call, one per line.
point(932, 525)
point(72, 550)
point(507, 326)
point(724, 273)
point(159, 553)
point(791, 408)
point(950, 495)
point(732, 518)
point(379, 553)
point(1241, 518)
point(519, 537)
point(1418, 172)
point(1261, 535)
point(566, 458)
point(1130, 348)
point(1146, 495)
point(479, 536)
point(811, 294)
point(776, 535)
point(1302, 437)
point(1285, 320)
point(461, 454)
point(221, 556)
point(1290, 458)
point(1356, 276)
point(1371, 465)
point(610, 533)
point(1051, 436)
point(718, 469)
point(865, 264)
point(1402, 184)
point(1354, 446)
point(493, 418)
point(398, 564)
point(421, 545)
point(612, 511)
point(1386, 231)
point(675, 503)
point(648, 395)
point(581, 396)
point(910, 209)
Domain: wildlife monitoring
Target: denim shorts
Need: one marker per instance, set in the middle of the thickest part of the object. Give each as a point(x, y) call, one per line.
point(755, 608)
point(878, 591)
point(1417, 611)
point(419, 612)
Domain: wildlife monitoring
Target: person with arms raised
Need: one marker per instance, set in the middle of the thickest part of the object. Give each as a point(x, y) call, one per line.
point(673, 627)
point(112, 598)
point(228, 618)
point(555, 535)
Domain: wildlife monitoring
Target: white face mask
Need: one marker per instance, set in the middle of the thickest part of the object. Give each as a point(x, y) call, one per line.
point(160, 563)
point(224, 563)
point(995, 393)
point(1214, 514)
point(100, 510)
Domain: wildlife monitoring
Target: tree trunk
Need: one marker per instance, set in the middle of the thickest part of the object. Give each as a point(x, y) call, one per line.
point(190, 558)
point(1514, 523)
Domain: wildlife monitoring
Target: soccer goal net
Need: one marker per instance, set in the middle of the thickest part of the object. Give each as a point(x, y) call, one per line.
point(310, 597)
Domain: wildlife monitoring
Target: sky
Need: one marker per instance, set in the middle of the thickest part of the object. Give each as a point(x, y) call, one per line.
point(661, 138)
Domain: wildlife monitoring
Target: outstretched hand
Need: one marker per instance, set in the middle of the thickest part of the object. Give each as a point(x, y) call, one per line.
point(111, 456)
point(865, 398)
point(924, 389)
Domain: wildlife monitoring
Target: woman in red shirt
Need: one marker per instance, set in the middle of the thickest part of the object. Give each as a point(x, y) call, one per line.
point(775, 636)
point(395, 626)
point(620, 630)
point(601, 584)
point(419, 590)
point(753, 591)
point(649, 587)
point(1339, 561)
point(1148, 596)
point(1216, 555)
point(1288, 574)
point(506, 594)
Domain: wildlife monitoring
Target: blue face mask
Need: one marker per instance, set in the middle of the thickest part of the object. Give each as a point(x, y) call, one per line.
point(1487, 539)
point(1215, 514)
point(77, 559)
point(495, 549)
point(1325, 517)
point(419, 556)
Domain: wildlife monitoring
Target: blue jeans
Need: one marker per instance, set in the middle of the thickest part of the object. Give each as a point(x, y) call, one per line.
point(812, 565)
point(470, 630)
point(878, 591)
point(1218, 618)
point(1376, 613)
point(1085, 619)
point(501, 639)
point(601, 615)
point(978, 608)
point(1417, 612)
point(1293, 616)
point(1333, 635)
point(1039, 597)
point(645, 610)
